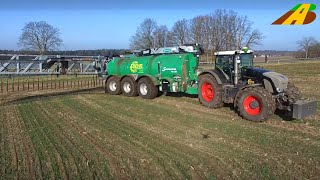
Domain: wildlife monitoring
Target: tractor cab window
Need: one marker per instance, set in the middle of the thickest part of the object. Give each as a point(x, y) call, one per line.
point(224, 62)
point(246, 59)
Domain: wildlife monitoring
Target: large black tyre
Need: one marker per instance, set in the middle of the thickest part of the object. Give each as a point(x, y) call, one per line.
point(210, 92)
point(292, 93)
point(255, 104)
point(113, 86)
point(146, 88)
point(129, 87)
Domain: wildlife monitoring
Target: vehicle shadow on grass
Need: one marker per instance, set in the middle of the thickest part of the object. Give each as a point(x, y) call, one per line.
point(178, 95)
point(31, 98)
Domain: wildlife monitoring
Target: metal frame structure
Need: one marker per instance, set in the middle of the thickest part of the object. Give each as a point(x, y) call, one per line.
point(47, 64)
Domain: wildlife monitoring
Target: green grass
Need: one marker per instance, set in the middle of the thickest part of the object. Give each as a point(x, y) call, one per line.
point(89, 134)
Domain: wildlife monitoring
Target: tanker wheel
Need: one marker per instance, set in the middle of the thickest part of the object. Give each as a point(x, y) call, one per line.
point(113, 86)
point(146, 89)
point(210, 92)
point(129, 87)
point(255, 104)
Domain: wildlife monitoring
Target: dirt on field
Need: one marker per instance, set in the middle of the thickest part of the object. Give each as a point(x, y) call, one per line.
point(88, 134)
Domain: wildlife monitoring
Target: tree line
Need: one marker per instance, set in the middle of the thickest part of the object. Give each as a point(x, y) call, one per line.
point(310, 48)
point(220, 30)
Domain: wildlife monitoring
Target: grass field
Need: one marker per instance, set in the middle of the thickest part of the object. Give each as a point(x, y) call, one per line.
point(90, 134)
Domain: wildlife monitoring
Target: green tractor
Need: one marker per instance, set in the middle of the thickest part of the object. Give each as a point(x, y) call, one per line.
point(255, 92)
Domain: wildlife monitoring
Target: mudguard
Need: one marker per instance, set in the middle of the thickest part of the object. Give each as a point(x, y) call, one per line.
point(221, 79)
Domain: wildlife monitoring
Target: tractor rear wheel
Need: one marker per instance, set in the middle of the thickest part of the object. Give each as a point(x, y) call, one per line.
point(129, 87)
point(146, 88)
point(210, 92)
point(255, 104)
point(113, 86)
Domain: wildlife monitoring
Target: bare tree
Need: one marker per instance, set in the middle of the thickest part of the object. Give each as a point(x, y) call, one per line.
point(306, 43)
point(180, 32)
point(254, 38)
point(144, 36)
point(161, 36)
point(40, 36)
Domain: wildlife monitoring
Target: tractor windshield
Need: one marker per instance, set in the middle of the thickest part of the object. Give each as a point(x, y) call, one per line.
point(246, 59)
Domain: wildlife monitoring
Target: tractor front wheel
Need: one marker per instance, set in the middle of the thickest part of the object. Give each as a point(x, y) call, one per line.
point(255, 104)
point(146, 88)
point(113, 86)
point(210, 92)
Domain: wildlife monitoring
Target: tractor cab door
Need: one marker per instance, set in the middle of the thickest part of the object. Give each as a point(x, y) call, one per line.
point(224, 63)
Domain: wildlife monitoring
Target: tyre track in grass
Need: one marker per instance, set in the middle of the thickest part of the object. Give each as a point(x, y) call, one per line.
point(300, 129)
point(132, 135)
point(39, 138)
point(58, 140)
point(12, 145)
point(289, 134)
point(275, 153)
point(23, 151)
point(67, 120)
point(33, 160)
point(122, 134)
point(3, 157)
point(175, 127)
point(170, 138)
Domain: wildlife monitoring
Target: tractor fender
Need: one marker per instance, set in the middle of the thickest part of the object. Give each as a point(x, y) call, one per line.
point(242, 88)
point(216, 74)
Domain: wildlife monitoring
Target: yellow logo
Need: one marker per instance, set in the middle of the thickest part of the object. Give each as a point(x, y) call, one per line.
point(301, 14)
point(135, 67)
point(250, 81)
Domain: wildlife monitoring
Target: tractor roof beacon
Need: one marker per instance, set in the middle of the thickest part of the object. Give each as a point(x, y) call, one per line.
point(255, 92)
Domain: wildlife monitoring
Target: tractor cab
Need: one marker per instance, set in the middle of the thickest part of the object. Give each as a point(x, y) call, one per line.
point(231, 63)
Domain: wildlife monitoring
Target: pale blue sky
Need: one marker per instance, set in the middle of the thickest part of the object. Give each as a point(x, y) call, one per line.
point(98, 24)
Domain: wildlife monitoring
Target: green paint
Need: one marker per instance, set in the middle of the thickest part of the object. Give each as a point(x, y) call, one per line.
point(175, 68)
point(312, 7)
point(296, 7)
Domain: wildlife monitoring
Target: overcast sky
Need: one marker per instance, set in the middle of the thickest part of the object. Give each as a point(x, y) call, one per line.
point(98, 24)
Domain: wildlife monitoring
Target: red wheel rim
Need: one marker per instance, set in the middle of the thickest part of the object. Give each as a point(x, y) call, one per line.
point(253, 111)
point(207, 92)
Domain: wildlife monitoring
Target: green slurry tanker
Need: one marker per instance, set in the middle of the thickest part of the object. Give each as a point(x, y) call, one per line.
point(255, 92)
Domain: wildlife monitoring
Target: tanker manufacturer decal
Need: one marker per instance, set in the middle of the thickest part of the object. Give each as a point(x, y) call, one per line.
point(173, 70)
point(135, 67)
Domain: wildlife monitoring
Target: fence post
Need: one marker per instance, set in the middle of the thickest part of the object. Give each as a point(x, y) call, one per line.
point(28, 83)
point(18, 83)
point(1, 84)
point(51, 81)
point(33, 83)
point(23, 83)
point(38, 83)
point(41, 82)
point(47, 82)
point(12, 81)
point(7, 83)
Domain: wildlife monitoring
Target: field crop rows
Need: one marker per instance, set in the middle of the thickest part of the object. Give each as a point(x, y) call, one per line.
point(90, 134)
